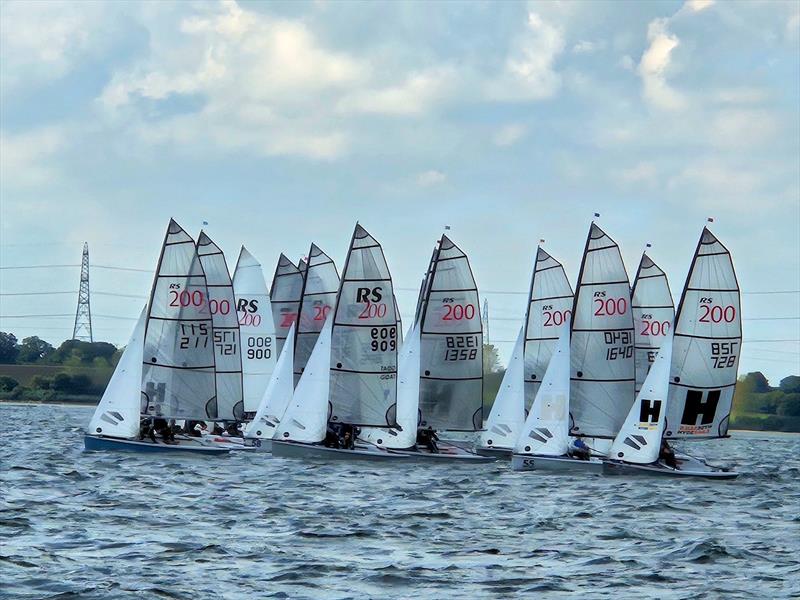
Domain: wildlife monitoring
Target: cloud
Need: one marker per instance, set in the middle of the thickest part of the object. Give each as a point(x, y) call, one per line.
point(698, 5)
point(529, 72)
point(588, 47)
point(738, 128)
point(431, 178)
point(642, 172)
point(24, 157)
point(417, 94)
point(509, 135)
point(654, 65)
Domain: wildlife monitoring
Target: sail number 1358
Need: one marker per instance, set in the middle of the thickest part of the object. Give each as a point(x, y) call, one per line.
point(461, 347)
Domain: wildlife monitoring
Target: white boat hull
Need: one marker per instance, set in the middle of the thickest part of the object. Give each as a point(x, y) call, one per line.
point(555, 464)
point(687, 467)
point(288, 449)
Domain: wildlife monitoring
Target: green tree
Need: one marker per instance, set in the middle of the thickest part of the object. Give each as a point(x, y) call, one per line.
point(8, 348)
point(32, 349)
point(758, 381)
point(790, 384)
point(7, 384)
point(40, 382)
point(790, 407)
point(491, 360)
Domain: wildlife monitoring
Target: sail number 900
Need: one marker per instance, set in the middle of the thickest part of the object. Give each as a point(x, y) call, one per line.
point(383, 339)
point(259, 347)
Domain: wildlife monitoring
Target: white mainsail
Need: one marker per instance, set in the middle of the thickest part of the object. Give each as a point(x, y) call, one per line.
point(364, 339)
point(277, 396)
point(653, 313)
point(507, 416)
point(601, 349)
point(178, 379)
point(546, 430)
point(707, 345)
point(227, 349)
point(285, 294)
point(405, 435)
point(117, 414)
point(306, 417)
point(451, 390)
point(256, 327)
point(549, 307)
point(320, 288)
point(639, 440)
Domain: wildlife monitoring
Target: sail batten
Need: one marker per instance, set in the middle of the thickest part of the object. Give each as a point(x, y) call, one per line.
point(178, 379)
point(602, 341)
point(707, 345)
point(451, 372)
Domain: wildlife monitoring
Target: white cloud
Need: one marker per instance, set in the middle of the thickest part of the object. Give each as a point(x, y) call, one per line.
point(431, 178)
point(529, 70)
point(642, 172)
point(698, 5)
point(416, 95)
point(737, 128)
point(588, 47)
point(509, 135)
point(654, 66)
point(24, 157)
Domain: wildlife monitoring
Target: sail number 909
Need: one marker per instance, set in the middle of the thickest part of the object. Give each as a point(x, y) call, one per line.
point(383, 339)
point(461, 347)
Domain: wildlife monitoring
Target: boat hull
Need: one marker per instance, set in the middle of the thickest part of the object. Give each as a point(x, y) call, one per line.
point(100, 443)
point(496, 451)
point(688, 468)
point(288, 449)
point(555, 464)
point(260, 444)
point(449, 454)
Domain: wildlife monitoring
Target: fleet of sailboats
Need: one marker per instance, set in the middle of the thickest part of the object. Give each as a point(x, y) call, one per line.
point(317, 367)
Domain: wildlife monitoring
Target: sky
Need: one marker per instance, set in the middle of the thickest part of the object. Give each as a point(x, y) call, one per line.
point(284, 123)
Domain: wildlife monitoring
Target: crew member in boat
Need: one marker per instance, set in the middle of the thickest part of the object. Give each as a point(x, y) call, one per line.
point(164, 430)
point(667, 455)
point(428, 438)
point(331, 436)
point(146, 429)
point(578, 449)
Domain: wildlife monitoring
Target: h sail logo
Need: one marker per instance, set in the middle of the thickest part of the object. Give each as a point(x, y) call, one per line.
point(699, 411)
point(649, 412)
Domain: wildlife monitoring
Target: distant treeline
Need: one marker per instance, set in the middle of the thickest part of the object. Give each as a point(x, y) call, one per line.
point(757, 405)
point(34, 370)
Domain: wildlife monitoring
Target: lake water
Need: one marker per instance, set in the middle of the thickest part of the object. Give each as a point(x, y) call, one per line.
point(103, 525)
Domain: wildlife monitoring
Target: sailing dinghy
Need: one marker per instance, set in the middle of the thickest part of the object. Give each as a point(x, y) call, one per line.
point(449, 364)
point(549, 307)
point(601, 347)
point(256, 330)
point(357, 386)
point(167, 369)
point(544, 442)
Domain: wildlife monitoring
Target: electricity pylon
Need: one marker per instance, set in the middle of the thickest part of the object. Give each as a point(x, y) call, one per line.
point(83, 315)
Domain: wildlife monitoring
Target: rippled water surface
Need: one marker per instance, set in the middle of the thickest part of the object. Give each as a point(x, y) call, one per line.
point(101, 525)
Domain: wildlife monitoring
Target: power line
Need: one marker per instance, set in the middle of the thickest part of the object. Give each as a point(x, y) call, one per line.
point(116, 295)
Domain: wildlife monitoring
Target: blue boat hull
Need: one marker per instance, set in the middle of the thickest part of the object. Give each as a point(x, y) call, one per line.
point(100, 443)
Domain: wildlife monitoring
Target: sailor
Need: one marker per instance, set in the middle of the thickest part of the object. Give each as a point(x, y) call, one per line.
point(217, 430)
point(347, 440)
point(200, 429)
point(428, 438)
point(667, 455)
point(146, 429)
point(578, 449)
point(163, 428)
point(233, 429)
point(331, 437)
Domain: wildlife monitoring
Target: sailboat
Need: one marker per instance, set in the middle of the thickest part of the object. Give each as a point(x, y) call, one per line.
point(544, 442)
point(167, 368)
point(285, 294)
point(274, 401)
point(317, 300)
point(549, 307)
point(256, 330)
point(357, 385)
point(448, 366)
point(601, 347)
point(653, 313)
